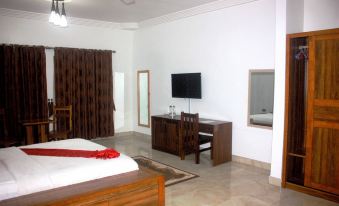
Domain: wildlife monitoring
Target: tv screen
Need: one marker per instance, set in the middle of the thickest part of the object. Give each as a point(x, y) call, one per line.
point(186, 85)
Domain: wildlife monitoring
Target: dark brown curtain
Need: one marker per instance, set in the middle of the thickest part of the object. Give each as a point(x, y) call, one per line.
point(83, 79)
point(23, 86)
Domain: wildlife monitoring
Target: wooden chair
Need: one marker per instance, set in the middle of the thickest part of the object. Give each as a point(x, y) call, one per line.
point(62, 123)
point(5, 139)
point(190, 139)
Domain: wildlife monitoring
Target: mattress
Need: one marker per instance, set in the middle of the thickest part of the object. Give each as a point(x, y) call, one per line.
point(8, 186)
point(22, 174)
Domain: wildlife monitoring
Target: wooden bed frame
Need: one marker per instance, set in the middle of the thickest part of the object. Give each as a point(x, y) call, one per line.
point(141, 187)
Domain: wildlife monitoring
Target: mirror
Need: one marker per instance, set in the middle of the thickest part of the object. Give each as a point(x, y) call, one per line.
point(261, 97)
point(143, 98)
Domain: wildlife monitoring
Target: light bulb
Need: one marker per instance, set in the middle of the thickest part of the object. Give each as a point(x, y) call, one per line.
point(57, 19)
point(63, 21)
point(52, 17)
point(57, 14)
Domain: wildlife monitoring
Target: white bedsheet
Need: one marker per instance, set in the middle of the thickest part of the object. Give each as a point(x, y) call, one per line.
point(37, 173)
point(8, 186)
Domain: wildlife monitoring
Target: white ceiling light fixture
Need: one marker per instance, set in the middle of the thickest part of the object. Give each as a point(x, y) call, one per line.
point(57, 18)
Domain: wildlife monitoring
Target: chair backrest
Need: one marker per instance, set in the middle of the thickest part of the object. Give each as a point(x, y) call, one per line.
point(62, 118)
point(189, 132)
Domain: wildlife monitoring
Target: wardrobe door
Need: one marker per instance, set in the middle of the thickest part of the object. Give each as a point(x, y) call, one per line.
point(322, 143)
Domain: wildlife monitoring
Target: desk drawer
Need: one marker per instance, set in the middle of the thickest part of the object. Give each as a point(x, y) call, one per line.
point(206, 128)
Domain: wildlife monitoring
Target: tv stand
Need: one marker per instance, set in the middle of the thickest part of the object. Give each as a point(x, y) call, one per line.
point(165, 136)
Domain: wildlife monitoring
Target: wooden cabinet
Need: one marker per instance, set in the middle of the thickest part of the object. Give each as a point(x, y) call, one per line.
point(158, 130)
point(311, 146)
point(322, 143)
point(165, 136)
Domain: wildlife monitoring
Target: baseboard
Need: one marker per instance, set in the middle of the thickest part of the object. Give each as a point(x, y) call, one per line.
point(274, 181)
point(254, 163)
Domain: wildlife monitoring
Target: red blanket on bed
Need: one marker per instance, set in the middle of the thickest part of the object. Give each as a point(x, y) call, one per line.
point(99, 154)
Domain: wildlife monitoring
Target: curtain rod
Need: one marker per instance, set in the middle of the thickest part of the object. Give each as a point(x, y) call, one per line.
point(49, 47)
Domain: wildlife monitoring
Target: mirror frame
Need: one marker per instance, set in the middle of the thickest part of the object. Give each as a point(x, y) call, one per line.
point(148, 99)
point(249, 124)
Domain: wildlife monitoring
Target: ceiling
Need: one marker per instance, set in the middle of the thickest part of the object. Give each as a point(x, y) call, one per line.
point(108, 10)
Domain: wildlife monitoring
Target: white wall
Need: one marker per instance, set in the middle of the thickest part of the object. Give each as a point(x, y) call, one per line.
point(311, 15)
point(223, 45)
point(279, 88)
point(320, 15)
point(31, 32)
point(294, 16)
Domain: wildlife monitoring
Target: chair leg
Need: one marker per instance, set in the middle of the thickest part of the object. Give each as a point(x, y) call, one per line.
point(211, 149)
point(197, 157)
point(182, 155)
point(211, 152)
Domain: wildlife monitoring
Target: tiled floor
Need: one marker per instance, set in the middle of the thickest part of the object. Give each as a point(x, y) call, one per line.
point(231, 183)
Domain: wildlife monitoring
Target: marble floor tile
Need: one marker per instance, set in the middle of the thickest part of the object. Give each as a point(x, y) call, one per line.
point(229, 184)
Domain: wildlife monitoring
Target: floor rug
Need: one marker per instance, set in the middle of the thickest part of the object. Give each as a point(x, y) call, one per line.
point(172, 175)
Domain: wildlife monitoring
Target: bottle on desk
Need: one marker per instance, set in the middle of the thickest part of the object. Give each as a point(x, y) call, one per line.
point(171, 111)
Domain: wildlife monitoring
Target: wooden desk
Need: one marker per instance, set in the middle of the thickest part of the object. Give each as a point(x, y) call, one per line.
point(40, 124)
point(165, 136)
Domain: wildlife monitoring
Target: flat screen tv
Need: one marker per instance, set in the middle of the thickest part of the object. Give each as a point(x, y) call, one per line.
point(187, 85)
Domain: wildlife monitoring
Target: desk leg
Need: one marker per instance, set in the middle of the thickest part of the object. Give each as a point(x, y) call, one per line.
point(222, 144)
point(43, 133)
point(212, 151)
point(29, 135)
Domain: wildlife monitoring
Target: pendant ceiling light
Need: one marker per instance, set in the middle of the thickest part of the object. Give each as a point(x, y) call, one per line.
point(57, 18)
point(63, 20)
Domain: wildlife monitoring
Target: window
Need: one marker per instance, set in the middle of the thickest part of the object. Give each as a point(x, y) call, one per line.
point(119, 100)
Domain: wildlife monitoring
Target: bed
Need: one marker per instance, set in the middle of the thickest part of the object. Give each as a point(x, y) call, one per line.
point(46, 180)
point(262, 119)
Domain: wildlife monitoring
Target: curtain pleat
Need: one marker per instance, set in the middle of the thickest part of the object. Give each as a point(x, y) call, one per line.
point(83, 78)
point(23, 87)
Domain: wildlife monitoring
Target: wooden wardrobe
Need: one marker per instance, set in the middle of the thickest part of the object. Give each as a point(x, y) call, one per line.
point(311, 142)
